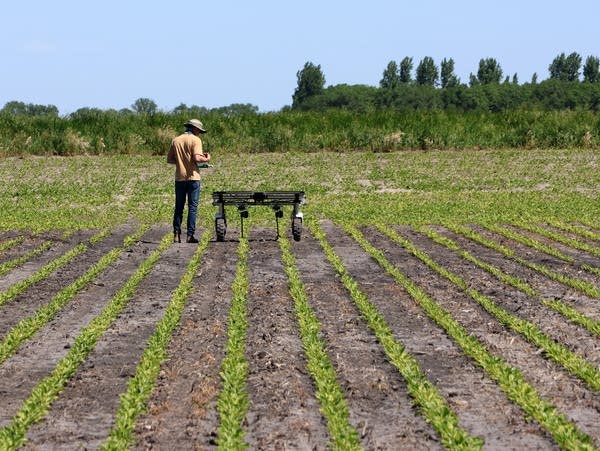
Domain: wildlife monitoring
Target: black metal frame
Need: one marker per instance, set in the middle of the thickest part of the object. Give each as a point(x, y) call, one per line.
point(244, 199)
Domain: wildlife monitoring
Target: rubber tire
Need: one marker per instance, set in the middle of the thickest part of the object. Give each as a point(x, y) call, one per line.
point(220, 229)
point(297, 228)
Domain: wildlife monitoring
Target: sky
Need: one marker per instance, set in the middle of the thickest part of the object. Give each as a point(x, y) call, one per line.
point(106, 54)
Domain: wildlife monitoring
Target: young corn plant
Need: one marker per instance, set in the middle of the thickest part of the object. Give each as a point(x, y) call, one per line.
point(48, 269)
point(426, 396)
point(329, 393)
point(560, 354)
point(232, 404)
point(576, 229)
point(16, 262)
point(36, 406)
point(535, 244)
point(10, 243)
point(570, 242)
point(510, 379)
point(28, 327)
point(569, 312)
point(528, 241)
point(560, 238)
point(576, 317)
point(134, 400)
point(579, 285)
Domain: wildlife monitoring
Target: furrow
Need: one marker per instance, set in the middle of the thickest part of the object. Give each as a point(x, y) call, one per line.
point(567, 311)
point(334, 405)
point(510, 379)
point(21, 276)
point(18, 261)
point(581, 286)
point(426, 396)
point(510, 309)
point(84, 417)
point(27, 327)
point(134, 402)
point(8, 243)
point(373, 386)
point(562, 238)
point(56, 262)
point(31, 363)
point(560, 257)
point(36, 406)
point(182, 410)
point(281, 392)
point(576, 229)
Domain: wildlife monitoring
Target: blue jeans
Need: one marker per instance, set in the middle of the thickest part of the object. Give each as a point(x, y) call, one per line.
point(189, 190)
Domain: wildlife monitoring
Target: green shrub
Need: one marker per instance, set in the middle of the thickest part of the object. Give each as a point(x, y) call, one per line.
point(108, 132)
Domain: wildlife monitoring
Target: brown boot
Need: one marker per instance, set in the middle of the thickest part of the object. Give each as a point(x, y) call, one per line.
point(176, 237)
point(191, 239)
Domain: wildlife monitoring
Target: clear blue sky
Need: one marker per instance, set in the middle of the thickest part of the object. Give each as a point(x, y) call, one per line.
point(106, 54)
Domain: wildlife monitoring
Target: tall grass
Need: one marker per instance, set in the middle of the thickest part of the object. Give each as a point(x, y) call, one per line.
point(111, 132)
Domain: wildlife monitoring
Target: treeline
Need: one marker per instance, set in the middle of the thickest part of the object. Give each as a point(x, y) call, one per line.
point(430, 87)
point(425, 108)
point(545, 96)
point(571, 84)
point(140, 106)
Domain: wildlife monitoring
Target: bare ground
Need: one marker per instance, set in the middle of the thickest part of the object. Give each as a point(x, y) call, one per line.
point(284, 412)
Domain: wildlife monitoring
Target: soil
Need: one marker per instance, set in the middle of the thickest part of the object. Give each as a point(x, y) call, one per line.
point(284, 412)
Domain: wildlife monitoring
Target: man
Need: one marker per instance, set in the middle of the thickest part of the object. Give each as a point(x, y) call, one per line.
point(185, 153)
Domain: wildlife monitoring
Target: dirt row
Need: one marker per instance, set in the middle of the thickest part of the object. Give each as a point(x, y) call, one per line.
point(284, 413)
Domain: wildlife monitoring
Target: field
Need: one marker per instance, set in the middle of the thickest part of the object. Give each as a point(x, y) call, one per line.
point(437, 299)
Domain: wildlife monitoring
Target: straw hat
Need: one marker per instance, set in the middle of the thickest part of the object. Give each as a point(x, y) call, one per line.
point(195, 123)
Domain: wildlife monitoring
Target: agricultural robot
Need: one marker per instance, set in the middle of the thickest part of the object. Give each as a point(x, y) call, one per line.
point(244, 199)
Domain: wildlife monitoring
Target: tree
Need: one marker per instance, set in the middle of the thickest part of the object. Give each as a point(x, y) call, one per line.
point(591, 70)
point(360, 98)
point(236, 109)
point(473, 81)
point(29, 109)
point(86, 113)
point(406, 66)
point(43, 110)
point(534, 78)
point(191, 111)
point(427, 72)
point(557, 67)
point(311, 82)
point(573, 66)
point(515, 79)
point(447, 77)
point(144, 106)
point(565, 68)
point(15, 107)
point(489, 71)
point(390, 79)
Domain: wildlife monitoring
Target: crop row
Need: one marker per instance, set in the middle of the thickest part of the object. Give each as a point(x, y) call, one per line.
point(234, 400)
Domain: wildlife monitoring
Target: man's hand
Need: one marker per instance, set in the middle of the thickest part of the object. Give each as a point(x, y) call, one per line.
point(202, 157)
